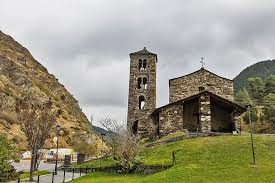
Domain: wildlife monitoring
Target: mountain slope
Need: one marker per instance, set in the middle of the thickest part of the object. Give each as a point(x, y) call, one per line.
point(261, 69)
point(22, 75)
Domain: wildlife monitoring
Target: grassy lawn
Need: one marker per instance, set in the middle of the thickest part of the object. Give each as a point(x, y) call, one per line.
point(205, 159)
point(105, 162)
point(40, 172)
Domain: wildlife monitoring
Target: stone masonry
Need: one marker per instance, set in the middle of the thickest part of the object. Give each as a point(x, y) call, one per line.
point(201, 101)
point(140, 72)
point(188, 85)
point(205, 113)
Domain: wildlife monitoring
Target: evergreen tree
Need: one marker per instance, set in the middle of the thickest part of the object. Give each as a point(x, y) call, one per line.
point(270, 85)
point(242, 97)
point(256, 89)
point(269, 108)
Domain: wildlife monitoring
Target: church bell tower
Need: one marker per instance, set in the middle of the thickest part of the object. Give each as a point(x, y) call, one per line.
point(142, 89)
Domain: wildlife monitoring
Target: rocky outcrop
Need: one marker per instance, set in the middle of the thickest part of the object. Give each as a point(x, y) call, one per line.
point(22, 75)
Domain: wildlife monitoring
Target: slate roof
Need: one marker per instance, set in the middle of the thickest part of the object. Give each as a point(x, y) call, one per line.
point(200, 70)
point(144, 51)
point(237, 106)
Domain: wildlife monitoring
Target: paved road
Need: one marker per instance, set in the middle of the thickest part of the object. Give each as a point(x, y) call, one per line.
point(57, 178)
point(24, 165)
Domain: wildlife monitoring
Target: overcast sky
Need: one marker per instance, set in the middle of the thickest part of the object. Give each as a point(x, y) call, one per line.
point(86, 44)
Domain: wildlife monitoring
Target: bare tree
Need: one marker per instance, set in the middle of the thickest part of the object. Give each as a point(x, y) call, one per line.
point(124, 145)
point(36, 122)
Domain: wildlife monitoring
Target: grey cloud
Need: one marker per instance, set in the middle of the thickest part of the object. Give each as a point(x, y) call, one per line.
point(86, 43)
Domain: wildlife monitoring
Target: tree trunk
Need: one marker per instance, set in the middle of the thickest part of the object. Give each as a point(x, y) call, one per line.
point(31, 167)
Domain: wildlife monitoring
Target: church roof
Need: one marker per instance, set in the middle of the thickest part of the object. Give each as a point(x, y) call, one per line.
point(216, 97)
point(144, 51)
point(200, 70)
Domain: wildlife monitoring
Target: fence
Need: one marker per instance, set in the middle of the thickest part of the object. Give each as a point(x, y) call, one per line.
point(67, 173)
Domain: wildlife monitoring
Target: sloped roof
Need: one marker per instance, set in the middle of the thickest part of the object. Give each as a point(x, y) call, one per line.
point(221, 99)
point(200, 70)
point(144, 51)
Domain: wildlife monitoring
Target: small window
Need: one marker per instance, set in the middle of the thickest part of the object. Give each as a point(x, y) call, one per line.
point(201, 89)
point(141, 102)
point(140, 64)
point(145, 83)
point(139, 83)
point(144, 64)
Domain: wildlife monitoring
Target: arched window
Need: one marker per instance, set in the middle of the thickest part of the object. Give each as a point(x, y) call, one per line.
point(141, 102)
point(140, 64)
point(145, 83)
point(139, 83)
point(144, 64)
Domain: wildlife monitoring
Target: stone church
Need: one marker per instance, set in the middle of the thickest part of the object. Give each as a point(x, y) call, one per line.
point(200, 101)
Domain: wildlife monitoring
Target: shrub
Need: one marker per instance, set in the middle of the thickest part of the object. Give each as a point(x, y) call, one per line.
point(7, 152)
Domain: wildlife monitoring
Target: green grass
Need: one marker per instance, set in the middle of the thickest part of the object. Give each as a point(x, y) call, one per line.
point(27, 174)
point(204, 159)
point(105, 162)
point(171, 136)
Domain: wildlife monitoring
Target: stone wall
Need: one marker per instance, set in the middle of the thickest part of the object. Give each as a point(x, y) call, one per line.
point(171, 119)
point(149, 93)
point(205, 113)
point(186, 86)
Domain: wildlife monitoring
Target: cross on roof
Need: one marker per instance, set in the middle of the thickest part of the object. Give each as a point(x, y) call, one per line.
point(202, 62)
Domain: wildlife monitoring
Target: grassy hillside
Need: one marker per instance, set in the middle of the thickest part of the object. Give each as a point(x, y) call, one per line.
point(261, 69)
point(207, 159)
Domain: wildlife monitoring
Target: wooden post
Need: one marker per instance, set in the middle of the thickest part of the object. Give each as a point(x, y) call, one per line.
point(251, 136)
point(53, 177)
point(64, 175)
point(73, 174)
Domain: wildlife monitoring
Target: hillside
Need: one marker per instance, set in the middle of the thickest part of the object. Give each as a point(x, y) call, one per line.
point(203, 159)
point(261, 69)
point(22, 75)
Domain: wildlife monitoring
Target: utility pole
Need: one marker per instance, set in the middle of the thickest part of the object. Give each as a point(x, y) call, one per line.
point(251, 135)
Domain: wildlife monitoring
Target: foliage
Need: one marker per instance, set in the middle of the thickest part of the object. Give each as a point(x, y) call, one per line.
point(242, 97)
point(207, 159)
point(7, 152)
point(269, 108)
point(253, 116)
point(256, 89)
point(125, 147)
point(270, 85)
point(261, 69)
point(83, 147)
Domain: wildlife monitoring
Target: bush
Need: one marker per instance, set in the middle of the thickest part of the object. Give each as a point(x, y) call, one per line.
point(253, 114)
point(7, 152)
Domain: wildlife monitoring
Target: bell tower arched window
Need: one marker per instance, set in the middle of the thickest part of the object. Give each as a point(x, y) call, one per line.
point(139, 64)
point(139, 83)
point(145, 83)
point(141, 102)
point(144, 64)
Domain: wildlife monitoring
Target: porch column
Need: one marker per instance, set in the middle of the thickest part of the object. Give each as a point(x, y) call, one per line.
point(237, 121)
point(205, 113)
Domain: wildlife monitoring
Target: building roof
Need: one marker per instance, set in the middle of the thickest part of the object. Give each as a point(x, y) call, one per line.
point(200, 70)
point(217, 98)
point(144, 51)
